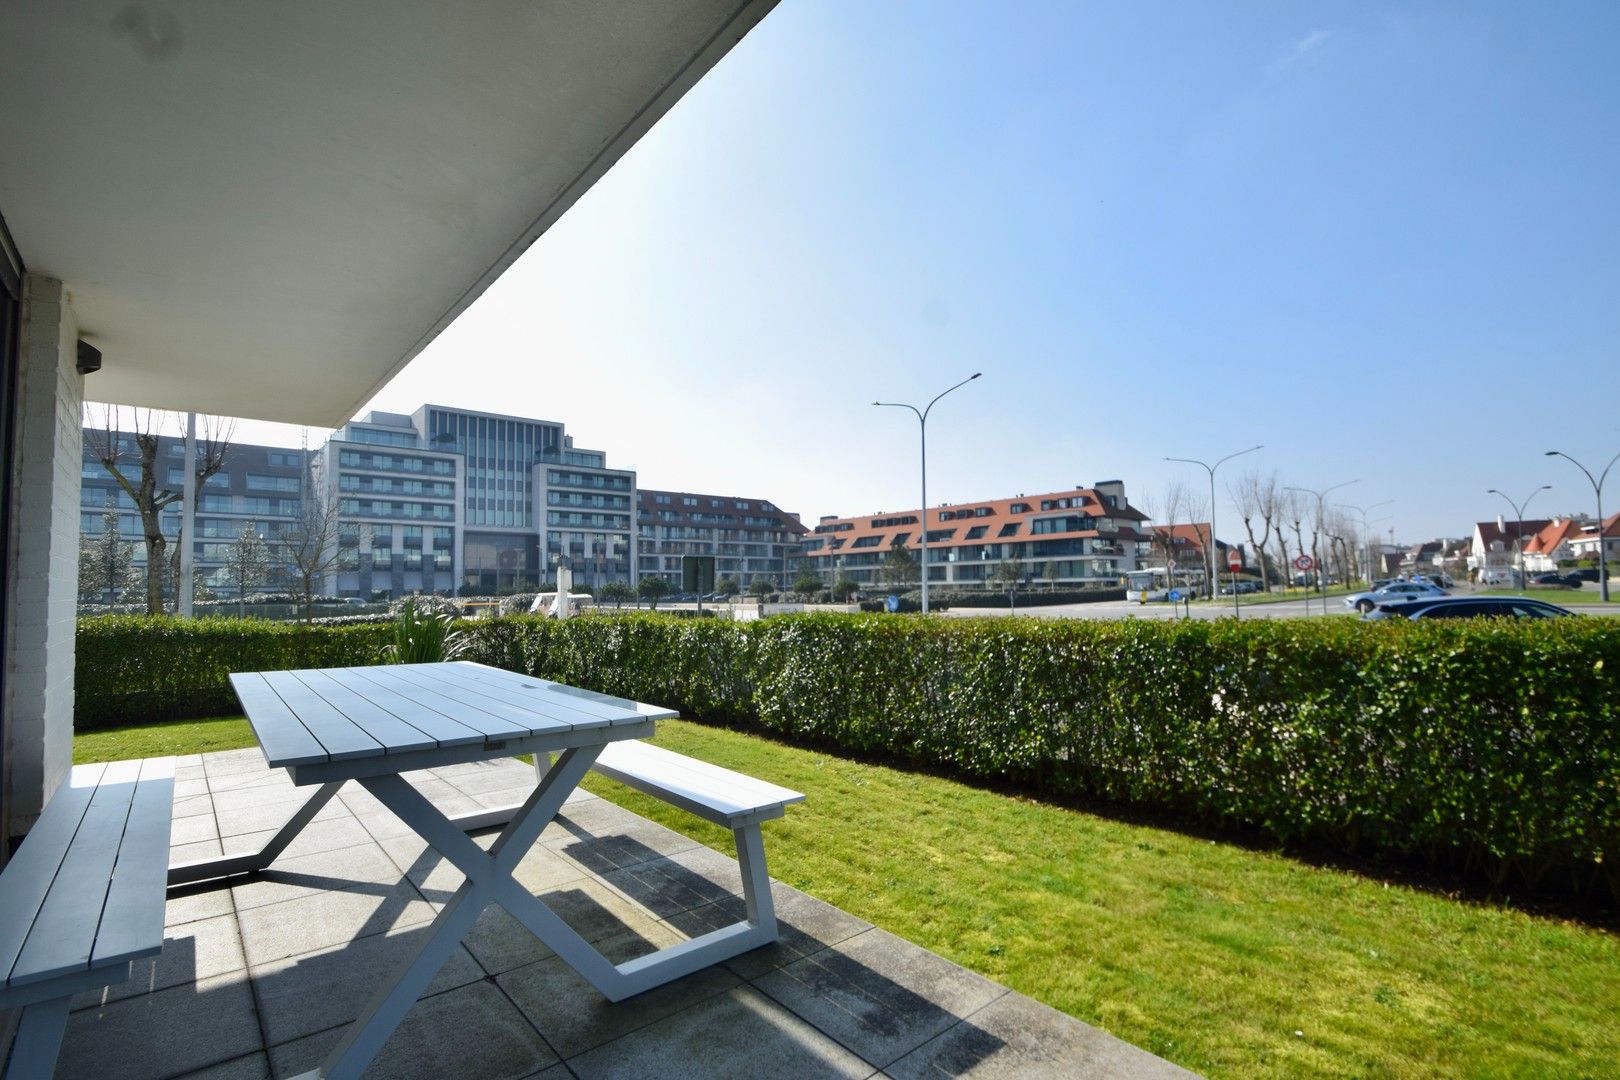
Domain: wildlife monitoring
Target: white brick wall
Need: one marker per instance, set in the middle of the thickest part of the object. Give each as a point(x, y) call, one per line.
point(43, 581)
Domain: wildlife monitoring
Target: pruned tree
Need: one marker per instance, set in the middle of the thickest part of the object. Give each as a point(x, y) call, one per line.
point(618, 592)
point(762, 586)
point(132, 460)
point(844, 588)
point(727, 586)
point(247, 563)
point(653, 589)
point(807, 584)
point(107, 568)
point(311, 546)
point(1164, 510)
point(1050, 575)
point(1255, 495)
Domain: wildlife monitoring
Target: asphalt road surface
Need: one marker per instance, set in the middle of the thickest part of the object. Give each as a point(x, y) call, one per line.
point(1282, 609)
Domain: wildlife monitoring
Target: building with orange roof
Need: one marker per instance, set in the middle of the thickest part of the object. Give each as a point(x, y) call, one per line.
point(1079, 536)
point(1551, 544)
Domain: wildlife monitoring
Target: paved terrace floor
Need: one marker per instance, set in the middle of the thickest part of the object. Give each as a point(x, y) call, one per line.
point(257, 980)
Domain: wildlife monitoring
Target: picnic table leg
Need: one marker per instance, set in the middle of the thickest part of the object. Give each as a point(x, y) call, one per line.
point(250, 861)
point(39, 1040)
point(488, 876)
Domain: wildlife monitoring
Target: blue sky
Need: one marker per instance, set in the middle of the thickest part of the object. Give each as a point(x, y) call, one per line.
point(1383, 240)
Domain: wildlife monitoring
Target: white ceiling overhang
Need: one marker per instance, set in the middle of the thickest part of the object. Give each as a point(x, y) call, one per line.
point(266, 209)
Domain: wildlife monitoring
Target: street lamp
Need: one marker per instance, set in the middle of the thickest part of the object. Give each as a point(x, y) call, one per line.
point(1367, 532)
point(1518, 528)
point(1597, 488)
point(1213, 572)
point(1321, 496)
point(922, 423)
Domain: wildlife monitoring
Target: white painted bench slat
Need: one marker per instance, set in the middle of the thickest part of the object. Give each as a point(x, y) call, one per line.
point(28, 876)
point(64, 933)
point(132, 922)
point(717, 794)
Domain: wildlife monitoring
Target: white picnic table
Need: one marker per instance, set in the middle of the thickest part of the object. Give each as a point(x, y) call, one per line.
point(370, 724)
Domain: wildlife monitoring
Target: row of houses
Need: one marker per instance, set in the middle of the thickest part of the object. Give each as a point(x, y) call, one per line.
point(1541, 544)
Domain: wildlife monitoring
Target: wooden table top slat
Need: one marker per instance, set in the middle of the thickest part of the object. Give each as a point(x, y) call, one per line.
point(282, 736)
point(132, 921)
point(532, 698)
point(341, 737)
point(446, 730)
point(63, 936)
point(34, 865)
point(366, 713)
point(606, 706)
point(500, 718)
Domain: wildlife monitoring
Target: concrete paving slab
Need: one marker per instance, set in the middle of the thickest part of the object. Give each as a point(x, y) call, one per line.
point(326, 871)
point(878, 994)
point(249, 1067)
point(574, 1017)
point(1015, 1037)
point(259, 817)
point(473, 1031)
point(164, 1034)
point(301, 995)
point(193, 902)
point(191, 952)
point(740, 1033)
point(192, 805)
point(294, 927)
point(203, 849)
point(318, 836)
point(196, 829)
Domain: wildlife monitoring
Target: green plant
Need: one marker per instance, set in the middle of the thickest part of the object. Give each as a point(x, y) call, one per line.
point(421, 637)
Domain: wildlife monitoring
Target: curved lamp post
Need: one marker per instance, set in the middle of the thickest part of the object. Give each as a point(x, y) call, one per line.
point(1365, 531)
point(1597, 489)
point(922, 422)
point(1214, 573)
point(1518, 528)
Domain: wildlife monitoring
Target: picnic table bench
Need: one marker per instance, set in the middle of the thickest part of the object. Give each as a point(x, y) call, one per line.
point(719, 795)
point(82, 898)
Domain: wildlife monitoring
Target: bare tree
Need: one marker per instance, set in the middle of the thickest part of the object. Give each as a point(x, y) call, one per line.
point(1164, 510)
point(311, 545)
point(1256, 497)
point(132, 460)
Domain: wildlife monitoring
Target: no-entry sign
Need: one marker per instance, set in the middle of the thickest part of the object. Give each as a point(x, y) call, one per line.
point(1234, 560)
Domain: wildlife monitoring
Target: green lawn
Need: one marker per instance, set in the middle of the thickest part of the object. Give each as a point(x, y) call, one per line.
point(1228, 961)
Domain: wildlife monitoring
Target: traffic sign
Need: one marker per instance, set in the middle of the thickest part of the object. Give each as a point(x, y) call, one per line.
point(1234, 560)
point(1304, 562)
point(1175, 595)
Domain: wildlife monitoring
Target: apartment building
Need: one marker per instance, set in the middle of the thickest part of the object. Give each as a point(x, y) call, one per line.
point(259, 488)
point(749, 538)
point(1080, 536)
point(448, 499)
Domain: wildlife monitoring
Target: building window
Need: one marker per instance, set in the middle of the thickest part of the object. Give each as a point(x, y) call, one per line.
point(1010, 529)
point(977, 532)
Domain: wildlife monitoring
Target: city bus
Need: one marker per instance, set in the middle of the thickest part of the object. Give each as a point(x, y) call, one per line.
point(1153, 583)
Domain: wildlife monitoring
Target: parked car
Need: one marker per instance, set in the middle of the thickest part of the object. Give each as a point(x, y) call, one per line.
point(1589, 573)
point(1439, 577)
point(1552, 578)
point(1468, 607)
point(1243, 587)
point(1401, 590)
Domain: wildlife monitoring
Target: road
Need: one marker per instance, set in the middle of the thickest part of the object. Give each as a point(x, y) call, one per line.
point(1282, 609)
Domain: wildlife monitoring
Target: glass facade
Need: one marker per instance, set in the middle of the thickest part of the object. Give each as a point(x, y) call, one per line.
point(500, 455)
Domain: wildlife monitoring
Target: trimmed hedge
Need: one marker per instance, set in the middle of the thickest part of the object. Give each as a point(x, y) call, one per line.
point(134, 669)
point(1490, 746)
